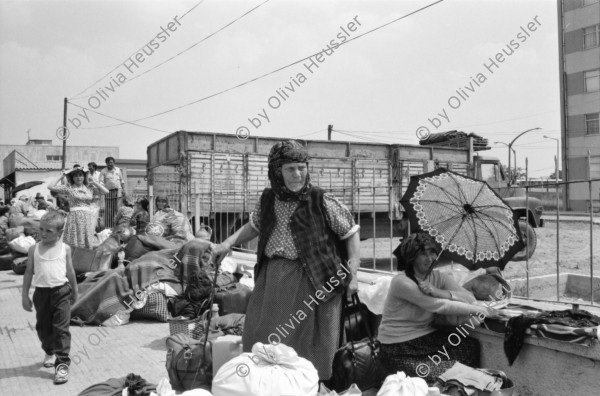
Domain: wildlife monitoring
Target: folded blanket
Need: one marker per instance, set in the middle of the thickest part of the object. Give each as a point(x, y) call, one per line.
point(170, 265)
point(517, 327)
point(101, 298)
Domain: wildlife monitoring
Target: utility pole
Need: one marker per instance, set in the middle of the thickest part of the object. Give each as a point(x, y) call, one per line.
point(329, 130)
point(64, 131)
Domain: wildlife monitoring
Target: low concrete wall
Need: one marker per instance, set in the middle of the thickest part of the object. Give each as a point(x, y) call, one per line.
point(569, 285)
point(578, 286)
point(539, 286)
point(544, 367)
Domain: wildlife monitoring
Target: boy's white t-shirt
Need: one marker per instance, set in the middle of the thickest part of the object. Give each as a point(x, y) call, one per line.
point(49, 271)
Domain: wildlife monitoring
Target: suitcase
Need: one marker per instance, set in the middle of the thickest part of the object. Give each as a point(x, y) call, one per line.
point(233, 298)
point(89, 260)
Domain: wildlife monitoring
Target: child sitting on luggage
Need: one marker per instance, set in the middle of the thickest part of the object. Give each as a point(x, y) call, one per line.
point(50, 271)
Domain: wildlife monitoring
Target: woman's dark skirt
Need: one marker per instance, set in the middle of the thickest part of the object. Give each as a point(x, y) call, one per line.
point(425, 356)
point(284, 309)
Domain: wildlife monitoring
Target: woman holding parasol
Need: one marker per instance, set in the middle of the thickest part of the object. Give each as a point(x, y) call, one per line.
point(408, 338)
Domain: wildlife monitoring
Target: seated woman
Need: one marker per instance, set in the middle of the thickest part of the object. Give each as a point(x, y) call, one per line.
point(169, 223)
point(141, 217)
point(407, 336)
point(125, 212)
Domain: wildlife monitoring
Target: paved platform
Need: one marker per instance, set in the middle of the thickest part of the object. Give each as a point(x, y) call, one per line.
point(97, 353)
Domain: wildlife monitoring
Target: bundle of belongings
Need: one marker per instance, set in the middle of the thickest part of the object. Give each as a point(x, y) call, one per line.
point(17, 234)
point(454, 139)
point(466, 381)
point(270, 369)
point(579, 327)
point(130, 385)
point(143, 289)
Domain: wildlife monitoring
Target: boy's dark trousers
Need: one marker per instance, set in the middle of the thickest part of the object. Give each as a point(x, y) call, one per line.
point(53, 314)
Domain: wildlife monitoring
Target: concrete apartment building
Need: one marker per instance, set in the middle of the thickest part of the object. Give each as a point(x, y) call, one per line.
point(579, 57)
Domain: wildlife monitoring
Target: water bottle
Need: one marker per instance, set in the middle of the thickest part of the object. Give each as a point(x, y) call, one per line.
point(215, 311)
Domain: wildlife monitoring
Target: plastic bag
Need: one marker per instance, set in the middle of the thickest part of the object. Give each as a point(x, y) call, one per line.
point(400, 385)
point(374, 296)
point(268, 370)
point(22, 244)
point(119, 319)
point(352, 391)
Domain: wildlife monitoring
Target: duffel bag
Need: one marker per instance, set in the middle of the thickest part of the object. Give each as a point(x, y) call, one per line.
point(89, 260)
point(135, 248)
point(187, 366)
point(233, 298)
point(19, 265)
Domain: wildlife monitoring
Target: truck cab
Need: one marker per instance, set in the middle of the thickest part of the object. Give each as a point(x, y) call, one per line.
point(488, 169)
point(529, 210)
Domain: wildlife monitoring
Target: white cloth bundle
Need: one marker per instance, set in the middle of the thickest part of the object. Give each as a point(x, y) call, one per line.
point(400, 385)
point(268, 370)
point(22, 244)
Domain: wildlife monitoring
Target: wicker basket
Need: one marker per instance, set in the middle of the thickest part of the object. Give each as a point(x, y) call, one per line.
point(193, 328)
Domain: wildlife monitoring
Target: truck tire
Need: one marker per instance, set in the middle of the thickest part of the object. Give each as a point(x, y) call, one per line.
point(529, 238)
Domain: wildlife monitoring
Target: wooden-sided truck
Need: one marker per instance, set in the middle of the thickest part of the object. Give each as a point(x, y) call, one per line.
point(216, 179)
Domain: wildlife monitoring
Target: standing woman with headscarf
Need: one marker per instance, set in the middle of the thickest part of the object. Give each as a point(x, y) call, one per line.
point(81, 222)
point(299, 276)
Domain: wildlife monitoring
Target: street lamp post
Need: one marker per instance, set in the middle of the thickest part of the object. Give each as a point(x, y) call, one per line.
point(557, 214)
point(514, 153)
point(513, 141)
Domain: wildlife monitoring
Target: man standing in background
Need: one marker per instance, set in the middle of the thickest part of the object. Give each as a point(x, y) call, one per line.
point(112, 178)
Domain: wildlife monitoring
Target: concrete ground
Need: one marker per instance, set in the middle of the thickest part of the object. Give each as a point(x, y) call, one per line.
point(97, 353)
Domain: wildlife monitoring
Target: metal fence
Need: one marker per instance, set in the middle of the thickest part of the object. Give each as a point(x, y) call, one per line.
point(376, 210)
point(573, 282)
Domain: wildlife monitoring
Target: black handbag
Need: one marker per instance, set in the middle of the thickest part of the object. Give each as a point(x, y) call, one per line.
point(357, 362)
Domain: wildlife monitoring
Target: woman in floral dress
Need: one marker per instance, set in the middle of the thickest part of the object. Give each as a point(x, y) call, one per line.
point(80, 224)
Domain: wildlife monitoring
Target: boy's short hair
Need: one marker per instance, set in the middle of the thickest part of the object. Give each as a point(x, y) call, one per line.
point(108, 159)
point(54, 218)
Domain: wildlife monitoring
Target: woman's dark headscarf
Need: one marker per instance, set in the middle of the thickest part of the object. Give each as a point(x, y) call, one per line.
point(407, 252)
point(286, 152)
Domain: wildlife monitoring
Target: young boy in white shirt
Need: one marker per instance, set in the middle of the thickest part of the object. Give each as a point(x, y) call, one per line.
point(50, 271)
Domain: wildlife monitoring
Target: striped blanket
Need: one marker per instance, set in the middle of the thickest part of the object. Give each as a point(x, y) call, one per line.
point(106, 293)
point(168, 265)
point(560, 332)
point(101, 297)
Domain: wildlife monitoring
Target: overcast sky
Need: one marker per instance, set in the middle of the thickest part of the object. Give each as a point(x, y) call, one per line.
point(379, 87)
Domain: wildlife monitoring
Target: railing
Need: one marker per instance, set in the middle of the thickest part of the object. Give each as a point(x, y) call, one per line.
point(570, 286)
point(375, 209)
